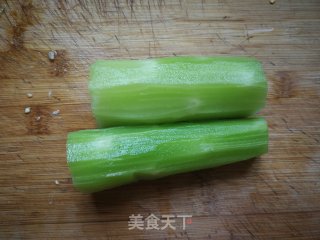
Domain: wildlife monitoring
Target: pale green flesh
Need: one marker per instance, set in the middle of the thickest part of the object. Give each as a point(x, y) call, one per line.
point(130, 92)
point(106, 158)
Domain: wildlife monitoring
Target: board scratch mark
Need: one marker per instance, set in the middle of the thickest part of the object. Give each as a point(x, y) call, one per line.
point(84, 18)
point(117, 39)
point(151, 23)
point(5, 13)
point(83, 6)
point(131, 8)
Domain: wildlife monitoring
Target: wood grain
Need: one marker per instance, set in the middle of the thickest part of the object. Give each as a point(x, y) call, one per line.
point(276, 196)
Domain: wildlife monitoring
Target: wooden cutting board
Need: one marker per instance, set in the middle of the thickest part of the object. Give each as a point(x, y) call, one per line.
point(276, 195)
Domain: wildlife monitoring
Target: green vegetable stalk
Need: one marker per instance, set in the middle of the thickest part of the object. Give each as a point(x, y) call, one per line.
point(165, 90)
point(106, 158)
